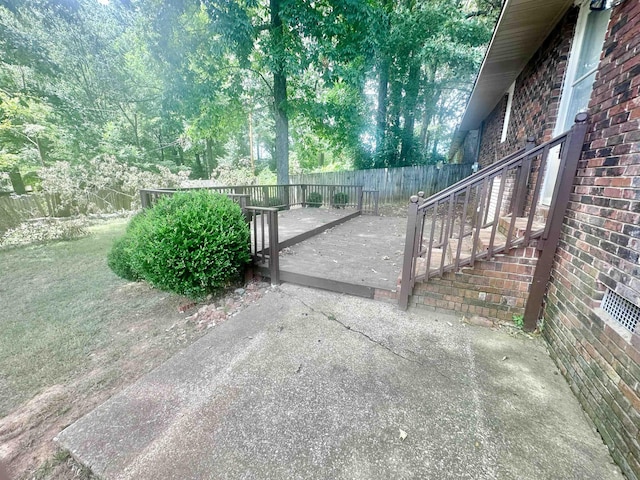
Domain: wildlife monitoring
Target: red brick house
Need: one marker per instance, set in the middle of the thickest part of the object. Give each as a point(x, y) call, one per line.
point(548, 61)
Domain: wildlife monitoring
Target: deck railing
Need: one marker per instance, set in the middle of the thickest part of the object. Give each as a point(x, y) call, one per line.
point(286, 196)
point(491, 211)
point(265, 249)
point(261, 203)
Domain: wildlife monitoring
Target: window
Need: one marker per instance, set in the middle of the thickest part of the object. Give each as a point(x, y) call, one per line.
point(507, 114)
point(581, 73)
point(583, 63)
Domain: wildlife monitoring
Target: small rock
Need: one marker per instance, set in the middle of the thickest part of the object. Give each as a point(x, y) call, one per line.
point(480, 321)
point(239, 291)
point(385, 257)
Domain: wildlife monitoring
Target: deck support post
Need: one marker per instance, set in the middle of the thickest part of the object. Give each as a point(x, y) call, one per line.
point(274, 247)
point(409, 249)
point(568, 165)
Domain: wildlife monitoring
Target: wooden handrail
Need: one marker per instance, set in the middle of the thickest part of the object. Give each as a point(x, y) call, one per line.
point(505, 187)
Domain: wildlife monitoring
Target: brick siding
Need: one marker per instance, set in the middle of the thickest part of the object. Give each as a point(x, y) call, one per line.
point(536, 97)
point(600, 242)
point(600, 248)
point(495, 289)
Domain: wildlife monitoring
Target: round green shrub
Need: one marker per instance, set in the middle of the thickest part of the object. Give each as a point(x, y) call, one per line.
point(191, 243)
point(119, 257)
point(314, 200)
point(340, 199)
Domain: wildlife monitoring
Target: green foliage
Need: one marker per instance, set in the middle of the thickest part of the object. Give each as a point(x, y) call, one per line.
point(314, 200)
point(191, 243)
point(273, 202)
point(176, 83)
point(120, 257)
point(340, 199)
point(518, 321)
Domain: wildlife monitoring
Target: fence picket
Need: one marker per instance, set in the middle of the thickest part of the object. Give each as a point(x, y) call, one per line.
point(392, 183)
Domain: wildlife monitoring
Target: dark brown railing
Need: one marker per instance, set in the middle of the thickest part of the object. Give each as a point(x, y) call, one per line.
point(491, 211)
point(261, 203)
point(265, 249)
point(286, 196)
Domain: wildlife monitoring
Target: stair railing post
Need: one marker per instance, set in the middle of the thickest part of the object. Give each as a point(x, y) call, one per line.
point(409, 249)
point(521, 187)
point(274, 247)
point(571, 152)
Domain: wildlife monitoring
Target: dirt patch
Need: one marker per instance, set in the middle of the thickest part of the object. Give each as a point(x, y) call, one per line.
point(26, 434)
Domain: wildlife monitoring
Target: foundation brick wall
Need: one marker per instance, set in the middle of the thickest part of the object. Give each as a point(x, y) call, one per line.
point(497, 289)
point(600, 249)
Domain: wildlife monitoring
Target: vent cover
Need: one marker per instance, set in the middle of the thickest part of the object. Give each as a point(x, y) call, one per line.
point(622, 310)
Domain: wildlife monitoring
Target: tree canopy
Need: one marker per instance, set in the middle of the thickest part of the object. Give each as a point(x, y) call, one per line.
point(248, 84)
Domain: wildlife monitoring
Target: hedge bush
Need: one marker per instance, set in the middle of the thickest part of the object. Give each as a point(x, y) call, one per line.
point(314, 200)
point(191, 243)
point(340, 199)
point(119, 257)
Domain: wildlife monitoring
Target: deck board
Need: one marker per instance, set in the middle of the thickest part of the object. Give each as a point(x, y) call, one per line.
point(365, 251)
point(298, 221)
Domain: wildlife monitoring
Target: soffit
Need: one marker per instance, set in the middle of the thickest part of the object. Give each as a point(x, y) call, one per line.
point(520, 31)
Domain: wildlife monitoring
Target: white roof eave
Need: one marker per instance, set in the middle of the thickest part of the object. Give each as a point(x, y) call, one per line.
point(521, 29)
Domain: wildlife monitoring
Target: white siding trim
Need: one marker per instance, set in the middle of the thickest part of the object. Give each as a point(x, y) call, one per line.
point(507, 114)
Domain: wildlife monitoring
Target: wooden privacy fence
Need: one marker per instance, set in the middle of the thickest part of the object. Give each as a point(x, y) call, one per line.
point(16, 209)
point(393, 183)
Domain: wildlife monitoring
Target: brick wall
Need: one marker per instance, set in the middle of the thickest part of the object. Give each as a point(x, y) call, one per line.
point(495, 289)
point(600, 248)
point(490, 147)
point(536, 97)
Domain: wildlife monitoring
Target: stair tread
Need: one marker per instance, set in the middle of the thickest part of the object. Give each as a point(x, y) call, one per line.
point(520, 223)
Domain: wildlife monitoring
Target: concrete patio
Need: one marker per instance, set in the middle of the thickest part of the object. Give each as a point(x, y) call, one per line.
point(311, 384)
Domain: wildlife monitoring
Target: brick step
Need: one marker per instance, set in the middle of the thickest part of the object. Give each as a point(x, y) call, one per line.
point(519, 227)
point(484, 237)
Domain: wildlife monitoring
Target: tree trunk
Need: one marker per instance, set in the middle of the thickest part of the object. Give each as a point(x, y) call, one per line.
point(381, 114)
point(209, 160)
point(41, 152)
point(280, 96)
point(17, 182)
point(407, 150)
point(251, 156)
point(431, 97)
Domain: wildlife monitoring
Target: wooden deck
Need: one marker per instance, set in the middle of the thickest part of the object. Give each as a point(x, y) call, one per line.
point(360, 255)
point(298, 224)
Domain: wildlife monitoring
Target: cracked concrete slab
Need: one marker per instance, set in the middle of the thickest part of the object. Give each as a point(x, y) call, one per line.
point(315, 385)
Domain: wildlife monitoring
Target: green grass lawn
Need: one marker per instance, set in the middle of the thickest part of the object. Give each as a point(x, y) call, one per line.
point(68, 325)
point(56, 311)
